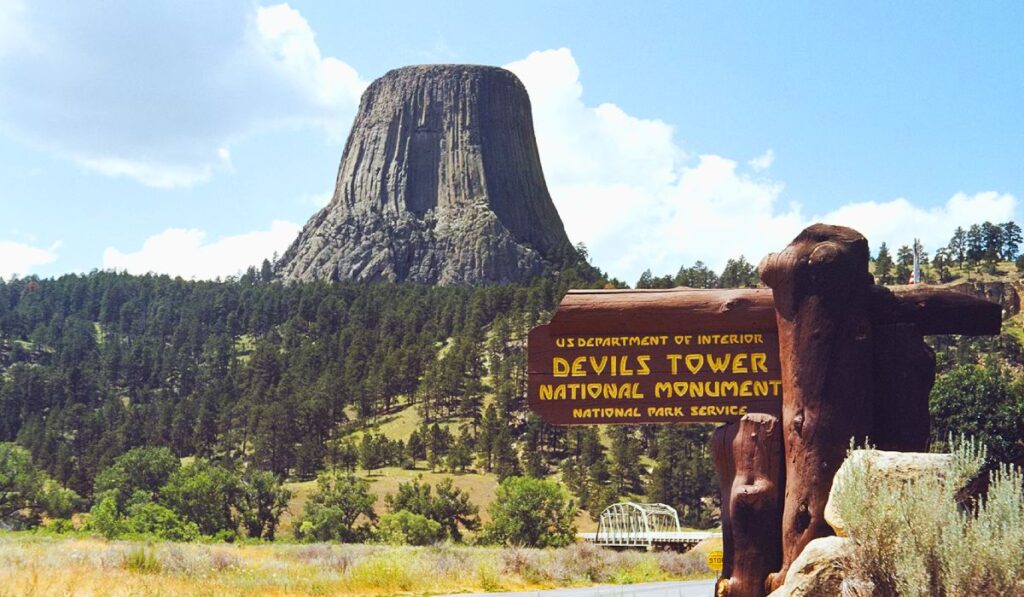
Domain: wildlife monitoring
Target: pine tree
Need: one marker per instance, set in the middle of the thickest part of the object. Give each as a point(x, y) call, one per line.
point(1012, 240)
point(883, 265)
point(904, 264)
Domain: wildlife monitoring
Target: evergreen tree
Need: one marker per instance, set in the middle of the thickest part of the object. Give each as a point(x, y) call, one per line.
point(625, 471)
point(684, 476)
point(697, 276)
point(1012, 240)
point(738, 273)
point(883, 265)
point(958, 246)
point(975, 244)
point(904, 264)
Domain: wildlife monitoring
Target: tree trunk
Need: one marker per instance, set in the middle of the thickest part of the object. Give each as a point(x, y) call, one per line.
point(820, 284)
point(748, 455)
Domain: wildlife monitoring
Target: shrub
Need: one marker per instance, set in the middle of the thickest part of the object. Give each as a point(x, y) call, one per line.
point(204, 493)
point(531, 512)
point(143, 469)
point(261, 502)
point(914, 539)
point(57, 501)
point(59, 526)
point(142, 560)
point(404, 527)
point(147, 518)
point(450, 507)
point(333, 509)
point(104, 518)
point(26, 491)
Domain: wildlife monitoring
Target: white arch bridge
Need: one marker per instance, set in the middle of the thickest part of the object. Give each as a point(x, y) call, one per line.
point(647, 526)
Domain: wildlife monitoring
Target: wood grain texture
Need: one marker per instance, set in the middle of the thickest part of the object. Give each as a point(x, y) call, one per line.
point(820, 284)
point(748, 456)
point(934, 310)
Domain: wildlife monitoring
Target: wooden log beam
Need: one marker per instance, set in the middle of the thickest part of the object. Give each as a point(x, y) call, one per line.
point(933, 309)
point(636, 311)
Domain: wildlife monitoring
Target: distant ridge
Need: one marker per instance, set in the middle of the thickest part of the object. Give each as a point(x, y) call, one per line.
point(440, 182)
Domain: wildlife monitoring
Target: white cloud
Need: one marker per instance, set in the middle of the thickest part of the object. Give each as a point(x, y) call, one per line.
point(763, 161)
point(187, 253)
point(636, 198)
point(20, 258)
point(156, 91)
point(898, 222)
point(625, 187)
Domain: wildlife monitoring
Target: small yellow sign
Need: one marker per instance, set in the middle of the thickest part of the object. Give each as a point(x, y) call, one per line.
point(715, 560)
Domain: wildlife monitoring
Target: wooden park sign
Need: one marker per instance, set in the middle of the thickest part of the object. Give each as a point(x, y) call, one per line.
point(795, 371)
point(656, 357)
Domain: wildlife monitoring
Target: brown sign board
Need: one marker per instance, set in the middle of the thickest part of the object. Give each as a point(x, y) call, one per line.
point(680, 356)
point(685, 355)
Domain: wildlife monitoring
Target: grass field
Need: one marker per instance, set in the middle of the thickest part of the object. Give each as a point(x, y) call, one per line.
point(39, 565)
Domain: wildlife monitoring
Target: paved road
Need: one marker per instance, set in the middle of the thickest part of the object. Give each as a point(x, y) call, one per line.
point(690, 588)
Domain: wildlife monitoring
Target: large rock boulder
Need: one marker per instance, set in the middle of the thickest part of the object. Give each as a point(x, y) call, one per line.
point(822, 569)
point(885, 469)
point(440, 182)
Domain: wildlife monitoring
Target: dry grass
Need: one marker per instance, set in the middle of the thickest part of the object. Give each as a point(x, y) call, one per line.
point(38, 565)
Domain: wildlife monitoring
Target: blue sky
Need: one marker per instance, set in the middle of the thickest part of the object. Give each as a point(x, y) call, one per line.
point(194, 138)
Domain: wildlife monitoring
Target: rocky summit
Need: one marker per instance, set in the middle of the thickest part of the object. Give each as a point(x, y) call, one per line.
point(440, 182)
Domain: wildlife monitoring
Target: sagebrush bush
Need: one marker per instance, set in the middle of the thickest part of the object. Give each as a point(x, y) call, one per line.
point(142, 560)
point(915, 540)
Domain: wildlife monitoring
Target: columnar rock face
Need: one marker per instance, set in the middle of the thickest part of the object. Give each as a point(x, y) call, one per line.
point(440, 182)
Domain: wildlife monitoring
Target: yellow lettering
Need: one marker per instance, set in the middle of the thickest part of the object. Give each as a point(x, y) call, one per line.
point(737, 367)
point(758, 362)
point(545, 391)
point(598, 365)
point(559, 367)
point(694, 362)
point(720, 364)
point(577, 367)
point(641, 361)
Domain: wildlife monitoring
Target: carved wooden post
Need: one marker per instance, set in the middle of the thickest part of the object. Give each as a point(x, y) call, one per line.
point(820, 285)
point(748, 455)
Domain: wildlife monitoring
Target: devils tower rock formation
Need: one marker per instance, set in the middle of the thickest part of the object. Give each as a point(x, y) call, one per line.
point(440, 182)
